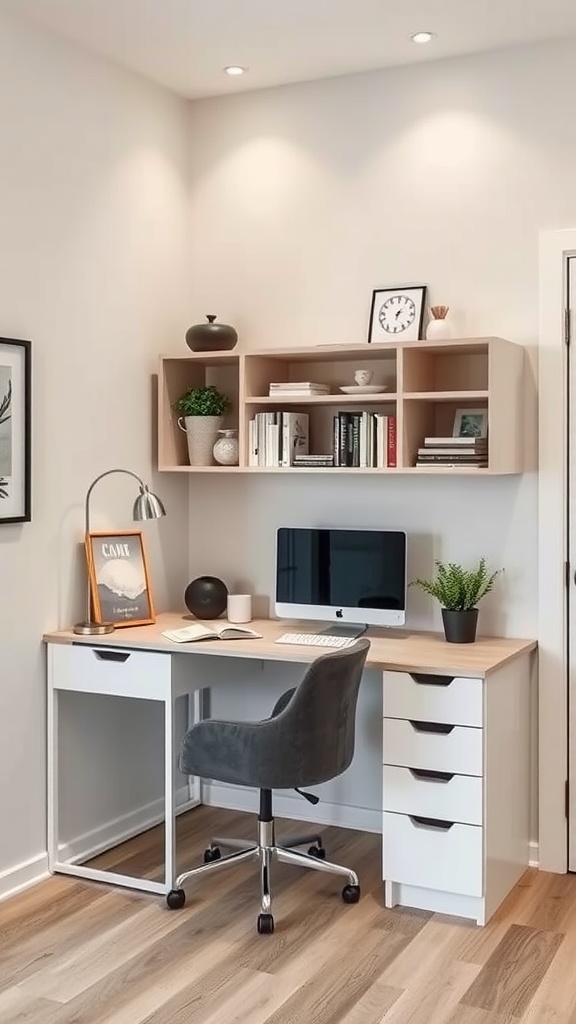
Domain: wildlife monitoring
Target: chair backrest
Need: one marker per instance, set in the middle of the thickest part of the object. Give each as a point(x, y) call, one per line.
point(316, 728)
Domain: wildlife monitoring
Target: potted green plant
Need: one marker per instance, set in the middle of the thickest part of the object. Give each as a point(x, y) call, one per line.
point(459, 590)
point(202, 412)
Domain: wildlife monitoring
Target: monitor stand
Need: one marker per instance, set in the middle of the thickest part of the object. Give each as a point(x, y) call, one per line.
point(344, 629)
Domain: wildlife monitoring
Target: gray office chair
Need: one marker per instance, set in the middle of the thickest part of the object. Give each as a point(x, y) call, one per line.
point(308, 739)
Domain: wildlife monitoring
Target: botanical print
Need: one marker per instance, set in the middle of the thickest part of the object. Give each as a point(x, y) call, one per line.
point(5, 430)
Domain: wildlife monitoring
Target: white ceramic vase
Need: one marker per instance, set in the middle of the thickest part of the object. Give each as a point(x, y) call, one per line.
point(201, 433)
point(226, 448)
point(438, 329)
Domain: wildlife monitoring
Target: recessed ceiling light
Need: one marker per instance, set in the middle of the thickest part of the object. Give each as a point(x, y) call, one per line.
point(235, 69)
point(422, 37)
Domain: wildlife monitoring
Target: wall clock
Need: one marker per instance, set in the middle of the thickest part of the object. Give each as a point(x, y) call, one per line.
point(397, 314)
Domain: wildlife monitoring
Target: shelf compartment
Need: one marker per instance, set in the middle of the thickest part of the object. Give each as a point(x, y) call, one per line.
point(458, 368)
point(424, 417)
point(263, 369)
point(177, 374)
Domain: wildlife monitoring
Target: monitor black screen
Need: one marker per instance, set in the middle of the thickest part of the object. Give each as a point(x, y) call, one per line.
point(353, 574)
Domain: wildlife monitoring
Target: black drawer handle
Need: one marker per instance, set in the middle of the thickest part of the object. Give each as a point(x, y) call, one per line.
point(440, 727)
point(111, 655)
point(431, 680)
point(429, 776)
point(433, 823)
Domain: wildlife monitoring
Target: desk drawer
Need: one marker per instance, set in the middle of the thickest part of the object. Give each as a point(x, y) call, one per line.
point(433, 854)
point(415, 745)
point(433, 698)
point(433, 794)
point(111, 670)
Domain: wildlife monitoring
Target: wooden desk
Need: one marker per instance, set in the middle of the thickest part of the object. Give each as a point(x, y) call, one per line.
point(455, 747)
point(390, 649)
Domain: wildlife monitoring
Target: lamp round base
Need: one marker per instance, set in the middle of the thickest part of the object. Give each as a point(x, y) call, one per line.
point(93, 628)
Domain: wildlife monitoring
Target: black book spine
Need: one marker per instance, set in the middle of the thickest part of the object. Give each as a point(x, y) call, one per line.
point(336, 440)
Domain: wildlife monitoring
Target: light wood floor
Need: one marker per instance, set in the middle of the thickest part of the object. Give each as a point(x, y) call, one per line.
point(80, 953)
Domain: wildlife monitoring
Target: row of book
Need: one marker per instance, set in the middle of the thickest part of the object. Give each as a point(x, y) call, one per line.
point(276, 438)
point(454, 451)
point(364, 440)
point(359, 439)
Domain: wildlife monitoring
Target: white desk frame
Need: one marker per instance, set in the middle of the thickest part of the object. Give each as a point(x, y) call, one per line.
point(159, 670)
point(166, 692)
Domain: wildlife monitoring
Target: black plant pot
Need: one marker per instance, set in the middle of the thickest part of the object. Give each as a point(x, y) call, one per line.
point(206, 597)
point(460, 627)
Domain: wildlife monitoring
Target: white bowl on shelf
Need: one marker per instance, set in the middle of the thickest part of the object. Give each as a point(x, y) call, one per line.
point(364, 389)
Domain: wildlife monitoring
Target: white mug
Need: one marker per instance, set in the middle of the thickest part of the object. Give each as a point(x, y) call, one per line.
point(239, 608)
point(362, 377)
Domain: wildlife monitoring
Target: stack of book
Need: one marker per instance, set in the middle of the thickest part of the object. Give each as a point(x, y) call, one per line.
point(313, 460)
point(298, 389)
point(454, 451)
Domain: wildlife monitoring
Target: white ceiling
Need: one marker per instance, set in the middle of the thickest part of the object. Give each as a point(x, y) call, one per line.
point(184, 44)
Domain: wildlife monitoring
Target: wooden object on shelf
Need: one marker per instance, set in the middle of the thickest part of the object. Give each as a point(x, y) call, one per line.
point(425, 383)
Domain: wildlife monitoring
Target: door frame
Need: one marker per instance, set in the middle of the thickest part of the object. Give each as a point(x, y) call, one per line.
point(555, 247)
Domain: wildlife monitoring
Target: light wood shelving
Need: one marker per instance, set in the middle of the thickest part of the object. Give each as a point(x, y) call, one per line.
point(426, 382)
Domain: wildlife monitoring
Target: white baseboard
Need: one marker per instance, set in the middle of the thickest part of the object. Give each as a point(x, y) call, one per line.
point(288, 805)
point(534, 854)
point(118, 830)
point(19, 877)
point(91, 843)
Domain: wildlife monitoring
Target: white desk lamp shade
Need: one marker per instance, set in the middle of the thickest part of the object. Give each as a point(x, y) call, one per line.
point(147, 506)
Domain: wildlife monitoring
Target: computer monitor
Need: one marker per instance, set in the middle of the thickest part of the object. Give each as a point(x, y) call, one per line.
point(343, 576)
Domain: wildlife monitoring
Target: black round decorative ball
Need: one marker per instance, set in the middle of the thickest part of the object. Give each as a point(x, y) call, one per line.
point(206, 597)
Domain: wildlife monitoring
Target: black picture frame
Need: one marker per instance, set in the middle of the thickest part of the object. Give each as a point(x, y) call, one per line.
point(15, 431)
point(400, 301)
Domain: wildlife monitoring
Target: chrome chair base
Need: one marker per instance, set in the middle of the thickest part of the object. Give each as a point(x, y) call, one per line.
point(265, 850)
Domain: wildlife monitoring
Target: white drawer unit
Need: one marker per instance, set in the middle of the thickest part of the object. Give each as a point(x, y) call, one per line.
point(110, 670)
point(455, 813)
point(433, 794)
point(434, 698)
point(433, 853)
point(432, 745)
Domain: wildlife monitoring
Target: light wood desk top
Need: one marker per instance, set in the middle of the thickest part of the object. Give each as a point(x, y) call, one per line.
point(404, 651)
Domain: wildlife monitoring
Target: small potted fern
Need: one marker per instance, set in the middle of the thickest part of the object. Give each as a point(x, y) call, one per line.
point(459, 590)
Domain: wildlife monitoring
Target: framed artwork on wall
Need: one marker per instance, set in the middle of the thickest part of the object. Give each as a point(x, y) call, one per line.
point(397, 314)
point(119, 578)
point(15, 433)
point(470, 423)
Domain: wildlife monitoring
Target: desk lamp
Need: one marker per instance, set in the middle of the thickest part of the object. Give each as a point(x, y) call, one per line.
point(146, 506)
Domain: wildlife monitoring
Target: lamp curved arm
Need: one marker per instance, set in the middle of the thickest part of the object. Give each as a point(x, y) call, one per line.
point(108, 472)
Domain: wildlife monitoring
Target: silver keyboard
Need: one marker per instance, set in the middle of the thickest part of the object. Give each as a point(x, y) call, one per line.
point(315, 640)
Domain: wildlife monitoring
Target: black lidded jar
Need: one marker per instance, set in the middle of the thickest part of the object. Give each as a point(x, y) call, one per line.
point(211, 337)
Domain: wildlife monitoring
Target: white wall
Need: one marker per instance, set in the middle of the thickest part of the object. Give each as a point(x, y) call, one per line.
point(92, 270)
point(304, 198)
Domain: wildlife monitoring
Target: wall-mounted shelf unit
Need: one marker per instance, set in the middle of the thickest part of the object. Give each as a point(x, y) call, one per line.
point(426, 382)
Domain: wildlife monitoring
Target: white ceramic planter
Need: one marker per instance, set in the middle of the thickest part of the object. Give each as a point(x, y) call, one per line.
point(438, 329)
point(201, 433)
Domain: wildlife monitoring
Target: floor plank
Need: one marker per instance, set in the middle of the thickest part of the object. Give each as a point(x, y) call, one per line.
point(75, 952)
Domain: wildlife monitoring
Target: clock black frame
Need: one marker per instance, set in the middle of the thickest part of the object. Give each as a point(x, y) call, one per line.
point(416, 292)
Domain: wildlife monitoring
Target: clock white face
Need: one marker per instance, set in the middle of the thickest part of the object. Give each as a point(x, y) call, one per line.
point(397, 314)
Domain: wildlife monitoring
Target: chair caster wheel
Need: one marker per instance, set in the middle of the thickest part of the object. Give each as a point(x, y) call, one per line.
point(351, 893)
point(317, 851)
point(265, 924)
point(175, 899)
point(212, 853)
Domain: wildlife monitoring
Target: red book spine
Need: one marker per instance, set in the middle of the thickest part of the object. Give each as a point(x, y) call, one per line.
point(391, 441)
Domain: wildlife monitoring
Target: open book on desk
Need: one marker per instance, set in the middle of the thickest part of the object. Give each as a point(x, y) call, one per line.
point(188, 634)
